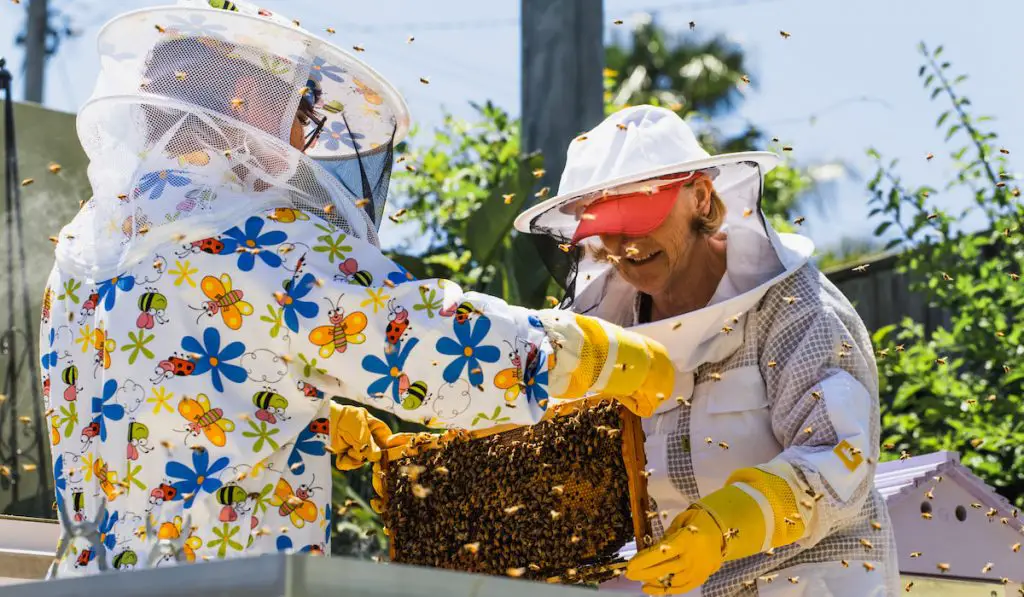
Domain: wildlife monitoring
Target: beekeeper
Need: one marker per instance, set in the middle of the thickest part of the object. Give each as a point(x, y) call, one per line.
point(763, 461)
point(226, 276)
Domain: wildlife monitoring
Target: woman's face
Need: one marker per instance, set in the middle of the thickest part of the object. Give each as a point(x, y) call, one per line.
point(650, 262)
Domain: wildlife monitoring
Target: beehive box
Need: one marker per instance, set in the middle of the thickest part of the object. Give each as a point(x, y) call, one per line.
point(555, 501)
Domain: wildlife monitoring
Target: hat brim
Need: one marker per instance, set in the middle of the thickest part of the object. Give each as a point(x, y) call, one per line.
point(727, 177)
point(376, 113)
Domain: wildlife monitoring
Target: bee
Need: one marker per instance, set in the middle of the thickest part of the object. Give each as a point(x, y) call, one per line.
point(462, 311)
point(785, 34)
point(70, 377)
point(350, 272)
point(152, 305)
point(415, 396)
point(78, 505)
point(230, 496)
point(138, 439)
point(270, 405)
point(224, 5)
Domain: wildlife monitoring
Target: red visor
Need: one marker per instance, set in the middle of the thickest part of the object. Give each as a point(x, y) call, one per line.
point(631, 214)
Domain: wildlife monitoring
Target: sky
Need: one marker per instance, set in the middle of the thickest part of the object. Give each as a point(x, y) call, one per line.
point(844, 80)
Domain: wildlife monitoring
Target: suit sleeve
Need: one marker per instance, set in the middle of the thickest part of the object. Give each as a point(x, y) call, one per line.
point(422, 349)
point(822, 386)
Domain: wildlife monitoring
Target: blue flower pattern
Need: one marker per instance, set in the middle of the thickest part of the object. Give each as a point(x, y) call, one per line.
point(468, 351)
point(210, 358)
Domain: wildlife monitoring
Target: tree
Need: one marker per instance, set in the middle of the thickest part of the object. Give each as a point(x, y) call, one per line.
point(959, 388)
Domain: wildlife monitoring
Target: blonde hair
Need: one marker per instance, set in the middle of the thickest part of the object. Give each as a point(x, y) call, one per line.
point(710, 223)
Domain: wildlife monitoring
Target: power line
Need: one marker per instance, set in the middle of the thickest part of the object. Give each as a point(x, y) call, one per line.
point(514, 22)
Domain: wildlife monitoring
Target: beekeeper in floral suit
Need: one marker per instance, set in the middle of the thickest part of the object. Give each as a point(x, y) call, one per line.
point(225, 277)
point(763, 462)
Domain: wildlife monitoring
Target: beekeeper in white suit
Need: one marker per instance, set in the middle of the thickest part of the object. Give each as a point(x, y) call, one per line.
point(763, 461)
point(225, 279)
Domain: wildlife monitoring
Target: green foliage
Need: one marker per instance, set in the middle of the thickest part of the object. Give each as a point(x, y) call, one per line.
point(465, 190)
point(959, 388)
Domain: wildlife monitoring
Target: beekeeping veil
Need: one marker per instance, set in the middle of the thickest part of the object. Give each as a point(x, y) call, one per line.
point(630, 149)
point(187, 131)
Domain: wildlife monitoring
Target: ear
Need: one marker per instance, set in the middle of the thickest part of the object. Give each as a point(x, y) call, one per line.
point(702, 195)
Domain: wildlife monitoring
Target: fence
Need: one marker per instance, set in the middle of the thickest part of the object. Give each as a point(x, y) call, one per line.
point(882, 295)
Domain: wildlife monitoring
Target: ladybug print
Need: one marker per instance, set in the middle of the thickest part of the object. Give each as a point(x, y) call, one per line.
point(320, 426)
point(173, 366)
point(398, 323)
point(211, 246)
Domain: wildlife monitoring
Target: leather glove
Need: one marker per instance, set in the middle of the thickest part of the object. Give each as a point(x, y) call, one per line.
point(725, 525)
point(352, 429)
point(595, 356)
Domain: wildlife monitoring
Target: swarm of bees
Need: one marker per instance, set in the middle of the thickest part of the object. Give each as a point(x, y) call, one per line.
point(549, 502)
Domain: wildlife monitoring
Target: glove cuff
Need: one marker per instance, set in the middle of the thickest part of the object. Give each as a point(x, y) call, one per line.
point(739, 519)
point(778, 503)
point(592, 357)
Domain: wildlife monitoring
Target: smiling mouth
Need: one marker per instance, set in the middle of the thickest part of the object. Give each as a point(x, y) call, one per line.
point(641, 259)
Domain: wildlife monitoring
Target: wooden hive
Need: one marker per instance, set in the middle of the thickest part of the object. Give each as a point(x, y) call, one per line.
point(555, 501)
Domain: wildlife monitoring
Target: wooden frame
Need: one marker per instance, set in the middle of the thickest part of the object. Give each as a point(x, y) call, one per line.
point(634, 458)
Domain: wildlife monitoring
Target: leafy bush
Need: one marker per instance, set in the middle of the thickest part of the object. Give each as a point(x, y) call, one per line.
point(958, 388)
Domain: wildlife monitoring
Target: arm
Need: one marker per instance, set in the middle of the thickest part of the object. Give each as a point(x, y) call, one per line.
point(426, 350)
point(823, 394)
point(821, 383)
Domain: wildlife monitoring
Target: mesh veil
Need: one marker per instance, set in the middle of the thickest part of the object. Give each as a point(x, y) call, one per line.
point(591, 284)
point(203, 101)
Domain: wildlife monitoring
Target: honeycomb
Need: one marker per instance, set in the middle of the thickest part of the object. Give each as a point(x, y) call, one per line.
point(555, 501)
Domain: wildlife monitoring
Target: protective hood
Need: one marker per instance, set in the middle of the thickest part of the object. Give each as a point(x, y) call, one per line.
point(187, 132)
point(644, 143)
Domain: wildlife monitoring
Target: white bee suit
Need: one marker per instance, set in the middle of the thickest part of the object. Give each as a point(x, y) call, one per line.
point(777, 372)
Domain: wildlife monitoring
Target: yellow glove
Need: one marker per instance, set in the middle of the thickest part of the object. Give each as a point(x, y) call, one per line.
point(352, 429)
point(725, 525)
point(595, 356)
point(692, 550)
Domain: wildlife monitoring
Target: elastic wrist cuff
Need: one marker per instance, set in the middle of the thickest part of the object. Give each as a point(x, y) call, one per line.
point(740, 519)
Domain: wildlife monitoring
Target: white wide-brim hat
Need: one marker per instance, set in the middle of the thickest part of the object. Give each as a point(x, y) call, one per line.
point(352, 91)
point(633, 145)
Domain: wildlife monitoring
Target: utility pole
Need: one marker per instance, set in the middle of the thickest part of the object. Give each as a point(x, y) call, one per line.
point(35, 50)
point(562, 85)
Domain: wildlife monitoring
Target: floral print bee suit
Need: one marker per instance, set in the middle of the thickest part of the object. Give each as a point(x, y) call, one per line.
point(221, 285)
point(194, 384)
